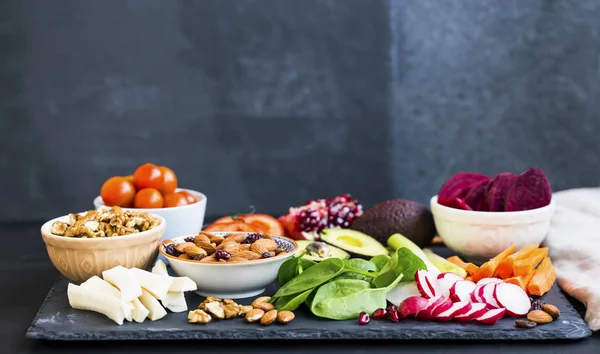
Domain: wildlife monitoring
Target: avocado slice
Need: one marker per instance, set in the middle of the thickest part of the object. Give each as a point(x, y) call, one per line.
point(397, 241)
point(315, 256)
point(444, 265)
point(354, 242)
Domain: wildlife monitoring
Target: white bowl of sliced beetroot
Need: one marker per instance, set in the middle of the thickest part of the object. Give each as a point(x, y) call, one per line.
point(478, 216)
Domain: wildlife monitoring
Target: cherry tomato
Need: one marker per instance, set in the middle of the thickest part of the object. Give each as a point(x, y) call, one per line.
point(174, 200)
point(188, 196)
point(117, 191)
point(148, 198)
point(169, 180)
point(148, 176)
point(130, 179)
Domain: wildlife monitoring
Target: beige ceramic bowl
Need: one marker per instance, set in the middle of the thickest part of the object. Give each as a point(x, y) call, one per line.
point(81, 258)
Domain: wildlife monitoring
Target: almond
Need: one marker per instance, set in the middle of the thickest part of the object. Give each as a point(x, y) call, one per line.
point(216, 239)
point(237, 237)
point(539, 317)
point(260, 300)
point(237, 260)
point(230, 247)
point(210, 258)
point(249, 255)
point(266, 306)
point(285, 316)
point(195, 251)
point(181, 246)
point(268, 318)
point(258, 248)
point(201, 238)
point(551, 310)
point(254, 315)
point(269, 244)
point(184, 256)
point(206, 245)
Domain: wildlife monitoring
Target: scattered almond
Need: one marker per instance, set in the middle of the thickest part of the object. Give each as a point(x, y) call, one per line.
point(551, 310)
point(539, 317)
point(254, 315)
point(265, 306)
point(268, 318)
point(260, 300)
point(285, 316)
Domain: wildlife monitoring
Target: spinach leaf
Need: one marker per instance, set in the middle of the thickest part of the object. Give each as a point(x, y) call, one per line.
point(287, 270)
point(291, 302)
point(403, 261)
point(361, 264)
point(312, 277)
point(380, 261)
point(304, 264)
point(347, 298)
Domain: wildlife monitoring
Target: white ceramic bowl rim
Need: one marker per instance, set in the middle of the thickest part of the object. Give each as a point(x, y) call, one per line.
point(48, 224)
point(98, 202)
point(256, 261)
point(510, 217)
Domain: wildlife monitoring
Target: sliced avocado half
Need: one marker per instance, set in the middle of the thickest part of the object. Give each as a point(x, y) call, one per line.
point(354, 242)
point(318, 251)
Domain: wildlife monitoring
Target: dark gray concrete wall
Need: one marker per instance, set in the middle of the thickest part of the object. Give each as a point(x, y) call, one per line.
point(272, 102)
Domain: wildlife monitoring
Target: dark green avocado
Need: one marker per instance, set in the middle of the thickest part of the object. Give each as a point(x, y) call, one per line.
point(318, 251)
point(356, 243)
point(409, 218)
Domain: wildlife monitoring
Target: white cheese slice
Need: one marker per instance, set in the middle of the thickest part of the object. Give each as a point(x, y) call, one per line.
point(108, 305)
point(99, 285)
point(157, 285)
point(155, 310)
point(180, 284)
point(124, 280)
point(160, 268)
point(140, 312)
point(175, 301)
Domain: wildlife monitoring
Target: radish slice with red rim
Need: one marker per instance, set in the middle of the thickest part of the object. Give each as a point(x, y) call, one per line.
point(489, 280)
point(477, 310)
point(514, 299)
point(457, 309)
point(488, 295)
point(446, 281)
point(462, 291)
point(423, 284)
point(491, 316)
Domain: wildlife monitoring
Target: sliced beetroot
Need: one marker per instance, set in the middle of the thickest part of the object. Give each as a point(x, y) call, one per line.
point(498, 189)
point(459, 185)
point(531, 190)
point(475, 199)
point(456, 203)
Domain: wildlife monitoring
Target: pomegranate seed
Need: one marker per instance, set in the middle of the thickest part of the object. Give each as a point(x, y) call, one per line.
point(364, 318)
point(392, 308)
point(393, 316)
point(379, 314)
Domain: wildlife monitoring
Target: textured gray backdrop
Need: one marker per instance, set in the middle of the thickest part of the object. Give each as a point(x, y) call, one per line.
point(272, 102)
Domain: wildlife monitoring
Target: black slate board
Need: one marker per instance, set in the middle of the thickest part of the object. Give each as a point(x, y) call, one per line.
point(56, 320)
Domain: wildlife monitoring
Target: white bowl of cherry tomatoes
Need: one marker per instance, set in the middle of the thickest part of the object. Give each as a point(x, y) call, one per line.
point(154, 189)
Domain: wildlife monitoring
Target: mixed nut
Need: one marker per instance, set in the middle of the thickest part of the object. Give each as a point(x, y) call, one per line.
point(104, 222)
point(260, 311)
point(233, 248)
point(540, 313)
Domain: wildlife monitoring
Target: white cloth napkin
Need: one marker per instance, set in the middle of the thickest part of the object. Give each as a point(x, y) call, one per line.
point(574, 245)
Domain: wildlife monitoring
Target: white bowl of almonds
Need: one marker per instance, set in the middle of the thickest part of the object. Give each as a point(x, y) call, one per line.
point(228, 264)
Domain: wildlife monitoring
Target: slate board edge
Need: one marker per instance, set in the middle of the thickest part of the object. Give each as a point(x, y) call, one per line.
point(366, 332)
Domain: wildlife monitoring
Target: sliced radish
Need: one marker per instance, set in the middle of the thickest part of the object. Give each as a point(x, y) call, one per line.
point(457, 309)
point(423, 284)
point(491, 316)
point(433, 284)
point(446, 281)
point(514, 299)
point(402, 291)
point(489, 280)
point(487, 295)
point(412, 305)
point(461, 290)
point(477, 310)
point(436, 306)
